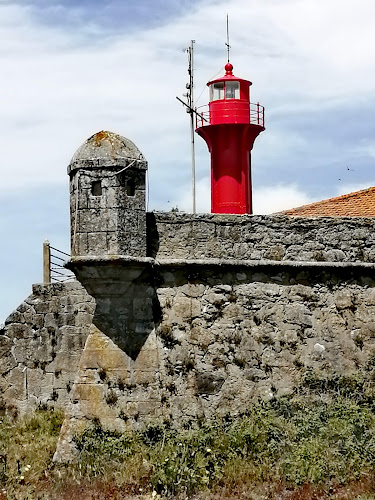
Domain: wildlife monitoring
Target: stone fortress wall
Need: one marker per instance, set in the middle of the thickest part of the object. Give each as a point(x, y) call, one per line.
point(232, 310)
point(214, 312)
point(40, 345)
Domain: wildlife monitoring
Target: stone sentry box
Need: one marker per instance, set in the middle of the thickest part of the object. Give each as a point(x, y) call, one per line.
point(108, 237)
point(107, 197)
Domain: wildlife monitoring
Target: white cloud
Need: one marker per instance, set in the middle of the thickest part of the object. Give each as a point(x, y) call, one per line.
point(266, 199)
point(57, 88)
point(184, 201)
point(366, 147)
point(351, 188)
point(271, 199)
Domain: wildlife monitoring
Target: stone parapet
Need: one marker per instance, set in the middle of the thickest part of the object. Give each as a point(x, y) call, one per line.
point(260, 237)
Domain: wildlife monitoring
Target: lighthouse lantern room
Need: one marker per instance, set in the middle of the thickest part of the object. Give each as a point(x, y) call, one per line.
point(230, 126)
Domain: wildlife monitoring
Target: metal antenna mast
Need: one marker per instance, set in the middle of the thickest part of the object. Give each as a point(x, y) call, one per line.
point(190, 96)
point(190, 109)
point(227, 44)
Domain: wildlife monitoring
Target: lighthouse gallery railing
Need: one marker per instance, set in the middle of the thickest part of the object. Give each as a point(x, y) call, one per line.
point(202, 115)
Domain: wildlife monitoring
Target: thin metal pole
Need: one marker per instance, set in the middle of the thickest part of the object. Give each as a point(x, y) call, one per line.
point(227, 44)
point(46, 263)
point(191, 105)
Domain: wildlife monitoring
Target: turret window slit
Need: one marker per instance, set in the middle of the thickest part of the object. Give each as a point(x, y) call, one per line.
point(96, 188)
point(130, 188)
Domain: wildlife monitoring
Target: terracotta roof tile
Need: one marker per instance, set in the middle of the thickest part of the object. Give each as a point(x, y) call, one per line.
point(357, 204)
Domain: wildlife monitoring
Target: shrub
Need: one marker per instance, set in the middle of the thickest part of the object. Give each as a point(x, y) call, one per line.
point(302, 441)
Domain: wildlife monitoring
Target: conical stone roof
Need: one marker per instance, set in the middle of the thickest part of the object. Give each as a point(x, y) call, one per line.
point(106, 149)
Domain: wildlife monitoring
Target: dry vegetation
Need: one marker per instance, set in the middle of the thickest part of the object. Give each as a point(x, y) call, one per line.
point(318, 444)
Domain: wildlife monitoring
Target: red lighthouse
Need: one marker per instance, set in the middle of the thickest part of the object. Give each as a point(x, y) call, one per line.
point(230, 127)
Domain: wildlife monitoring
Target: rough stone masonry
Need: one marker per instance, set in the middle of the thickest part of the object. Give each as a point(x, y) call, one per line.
point(179, 317)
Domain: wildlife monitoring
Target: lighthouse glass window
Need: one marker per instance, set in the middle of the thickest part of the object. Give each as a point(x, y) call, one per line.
point(232, 90)
point(217, 91)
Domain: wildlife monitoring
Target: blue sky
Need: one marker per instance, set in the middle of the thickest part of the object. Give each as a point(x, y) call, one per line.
point(70, 69)
point(111, 16)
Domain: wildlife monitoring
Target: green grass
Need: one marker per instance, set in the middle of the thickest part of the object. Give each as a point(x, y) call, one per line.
point(26, 450)
point(313, 443)
point(289, 441)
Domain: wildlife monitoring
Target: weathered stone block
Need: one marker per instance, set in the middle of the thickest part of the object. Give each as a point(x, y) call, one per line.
point(80, 242)
point(15, 317)
point(145, 376)
point(41, 306)
point(343, 299)
point(18, 331)
point(7, 363)
point(209, 382)
point(97, 243)
point(40, 384)
point(147, 359)
point(185, 307)
point(5, 345)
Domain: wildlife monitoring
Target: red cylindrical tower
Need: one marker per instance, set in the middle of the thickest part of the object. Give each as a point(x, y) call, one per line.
point(230, 127)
